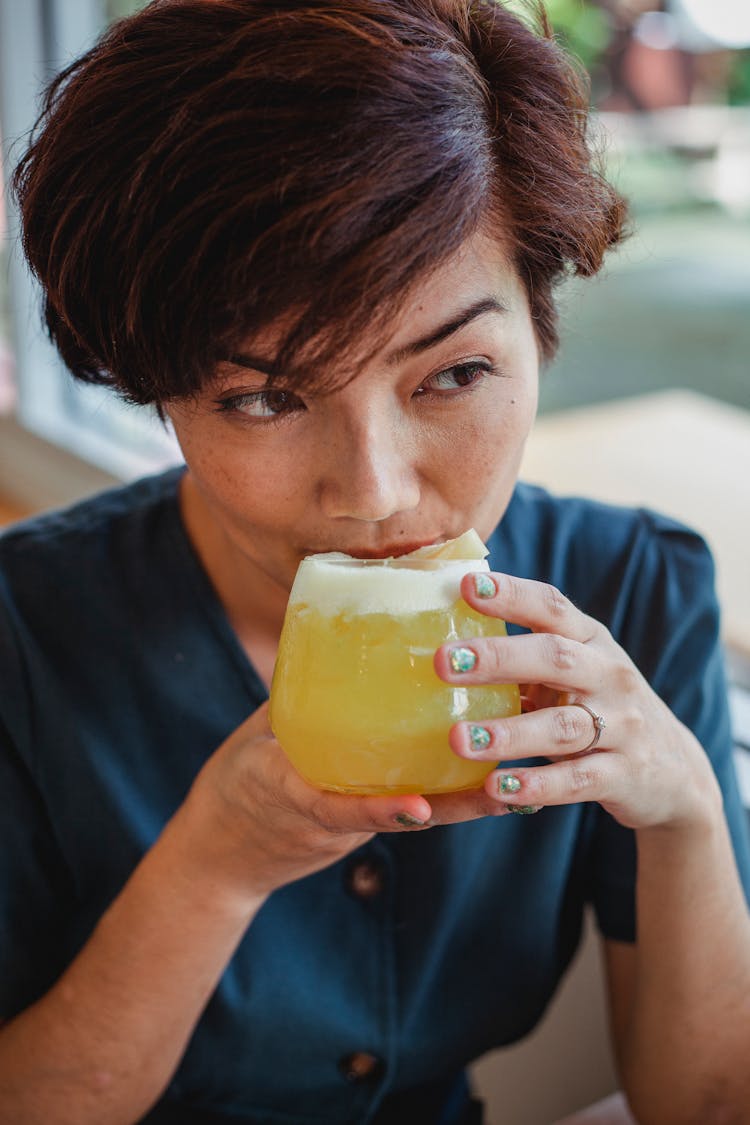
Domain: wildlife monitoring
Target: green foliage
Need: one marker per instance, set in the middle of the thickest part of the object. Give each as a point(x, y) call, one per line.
point(739, 79)
point(584, 28)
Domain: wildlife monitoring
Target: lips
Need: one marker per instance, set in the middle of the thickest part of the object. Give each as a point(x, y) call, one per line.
point(392, 550)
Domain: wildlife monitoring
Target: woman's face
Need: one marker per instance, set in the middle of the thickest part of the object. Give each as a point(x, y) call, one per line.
point(424, 443)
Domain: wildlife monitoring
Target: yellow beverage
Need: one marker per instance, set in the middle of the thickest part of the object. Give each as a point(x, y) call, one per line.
point(355, 701)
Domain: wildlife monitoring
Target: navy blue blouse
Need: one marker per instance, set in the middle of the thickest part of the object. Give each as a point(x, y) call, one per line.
point(392, 969)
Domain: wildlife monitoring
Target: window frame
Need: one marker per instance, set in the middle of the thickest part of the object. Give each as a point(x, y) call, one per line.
point(38, 38)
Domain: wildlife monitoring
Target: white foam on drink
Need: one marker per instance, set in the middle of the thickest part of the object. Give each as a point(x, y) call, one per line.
point(336, 583)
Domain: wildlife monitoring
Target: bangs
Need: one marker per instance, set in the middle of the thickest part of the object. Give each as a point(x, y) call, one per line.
point(210, 169)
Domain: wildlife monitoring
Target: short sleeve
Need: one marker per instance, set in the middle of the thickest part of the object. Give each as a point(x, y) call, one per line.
point(34, 884)
point(670, 628)
point(35, 881)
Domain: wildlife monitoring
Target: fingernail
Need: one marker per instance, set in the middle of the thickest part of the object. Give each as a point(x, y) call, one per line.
point(479, 737)
point(509, 783)
point(484, 586)
point(406, 820)
point(462, 659)
point(523, 810)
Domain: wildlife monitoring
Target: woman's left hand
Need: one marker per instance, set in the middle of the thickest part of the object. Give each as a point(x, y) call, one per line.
point(645, 768)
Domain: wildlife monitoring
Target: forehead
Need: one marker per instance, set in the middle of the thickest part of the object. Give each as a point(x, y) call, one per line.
point(481, 269)
point(477, 279)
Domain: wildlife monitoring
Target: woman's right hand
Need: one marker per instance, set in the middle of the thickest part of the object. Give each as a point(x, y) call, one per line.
point(260, 825)
point(127, 1005)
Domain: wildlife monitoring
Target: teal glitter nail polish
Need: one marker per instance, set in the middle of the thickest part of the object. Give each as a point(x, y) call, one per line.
point(484, 586)
point(463, 659)
point(509, 783)
point(479, 737)
point(523, 810)
point(406, 820)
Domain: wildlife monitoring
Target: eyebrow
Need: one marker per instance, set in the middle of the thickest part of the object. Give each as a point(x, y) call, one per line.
point(458, 321)
point(406, 351)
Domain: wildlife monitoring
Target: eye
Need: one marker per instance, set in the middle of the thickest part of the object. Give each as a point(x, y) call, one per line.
point(269, 403)
point(459, 377)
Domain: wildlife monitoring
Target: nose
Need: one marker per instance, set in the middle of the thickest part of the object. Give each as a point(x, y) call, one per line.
point(370, 472)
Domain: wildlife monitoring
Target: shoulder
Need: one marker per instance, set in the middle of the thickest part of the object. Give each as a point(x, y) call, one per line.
point(70, 578)
point(578, 523)
point(62, 533)
point(570, 536)
point(617, 564)
point(86, 550)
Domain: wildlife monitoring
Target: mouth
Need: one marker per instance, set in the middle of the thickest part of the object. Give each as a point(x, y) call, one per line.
point(390, 551)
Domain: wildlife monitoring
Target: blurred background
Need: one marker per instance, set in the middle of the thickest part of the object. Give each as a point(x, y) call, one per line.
point(670, 80)
point(659, 344)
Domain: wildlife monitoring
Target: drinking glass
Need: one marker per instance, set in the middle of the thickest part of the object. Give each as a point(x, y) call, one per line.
point(355, 701)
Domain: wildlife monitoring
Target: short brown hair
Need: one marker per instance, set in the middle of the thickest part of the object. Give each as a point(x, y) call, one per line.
point(213, 166)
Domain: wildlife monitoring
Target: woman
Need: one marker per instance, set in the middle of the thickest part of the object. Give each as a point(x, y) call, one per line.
point(322, 239)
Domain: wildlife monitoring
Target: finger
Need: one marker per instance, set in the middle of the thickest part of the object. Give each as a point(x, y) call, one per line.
point(549, 733)
point(348, 813)
point(591, 777)
point(535, 605)
point(345, 813)
point(469, 804)
point(547, 658)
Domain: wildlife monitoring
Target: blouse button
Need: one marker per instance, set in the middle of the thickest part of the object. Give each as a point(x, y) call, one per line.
point(360, 1066)
point(365, 878)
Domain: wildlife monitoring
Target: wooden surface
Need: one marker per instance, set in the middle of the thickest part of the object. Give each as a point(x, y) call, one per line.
point(681, 453)
point(9, 512)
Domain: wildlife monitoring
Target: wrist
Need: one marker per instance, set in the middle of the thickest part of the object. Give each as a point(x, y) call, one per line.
point(693, 828)
point(696, 805)
point(210, 854)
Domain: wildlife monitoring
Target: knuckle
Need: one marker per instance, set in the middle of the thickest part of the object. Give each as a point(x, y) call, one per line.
point(537, 787)
point(598, 632)
point(627, 678)
point(503, 736)
point(555, 602)
point(320, 813)
point(273, 788)
point(491, 660)
point(584, 779)
point(512, 590)
point(561, 652)
point(370, 816)
point(634, 722)
point(567, 728)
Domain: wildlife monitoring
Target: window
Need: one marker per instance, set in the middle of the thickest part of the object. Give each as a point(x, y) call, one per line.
point(38, 37)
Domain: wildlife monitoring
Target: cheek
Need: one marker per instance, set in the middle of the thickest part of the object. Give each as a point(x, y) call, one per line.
point(480, 465)
point(237, 473)
point(496, 431)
